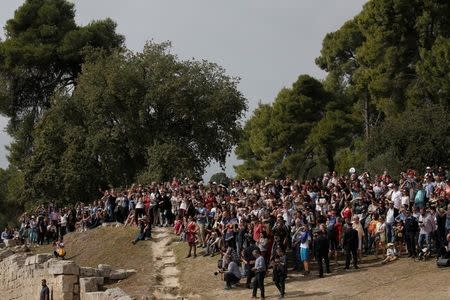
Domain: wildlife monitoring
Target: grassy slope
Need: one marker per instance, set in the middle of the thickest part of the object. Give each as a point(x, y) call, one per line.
point(107, 245)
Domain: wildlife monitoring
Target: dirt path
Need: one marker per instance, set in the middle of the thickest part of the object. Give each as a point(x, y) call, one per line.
point(165, 266)
point(404, 279)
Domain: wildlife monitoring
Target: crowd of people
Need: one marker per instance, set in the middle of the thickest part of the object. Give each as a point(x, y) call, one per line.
point(255, 226)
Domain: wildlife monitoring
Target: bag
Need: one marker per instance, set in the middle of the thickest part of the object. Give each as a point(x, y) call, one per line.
point(443, 262)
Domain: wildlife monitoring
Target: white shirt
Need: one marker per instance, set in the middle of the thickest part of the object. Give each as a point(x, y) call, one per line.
point(390, 216)
point(234, 269)
point(405, 200)
point(260, 264)
point(396, 197)
point(306, 243)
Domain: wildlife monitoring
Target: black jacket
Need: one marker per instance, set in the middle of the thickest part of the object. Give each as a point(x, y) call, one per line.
point(350, 239)
point(321, 246)
point(411, 225)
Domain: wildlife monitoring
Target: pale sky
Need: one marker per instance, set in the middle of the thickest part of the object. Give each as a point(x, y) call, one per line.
point(268, 44)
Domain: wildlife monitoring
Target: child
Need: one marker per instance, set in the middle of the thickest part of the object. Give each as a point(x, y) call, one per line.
point(59, 249)
point(391, 253)
point(191, 236)
point(399, 240)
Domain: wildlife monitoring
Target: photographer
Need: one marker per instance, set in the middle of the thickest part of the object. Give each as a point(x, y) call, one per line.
point(232, 276)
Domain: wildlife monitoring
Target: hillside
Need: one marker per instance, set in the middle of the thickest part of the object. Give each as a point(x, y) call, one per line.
point(108, 245)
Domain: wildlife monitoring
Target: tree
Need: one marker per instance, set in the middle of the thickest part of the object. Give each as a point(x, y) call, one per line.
point(273, 143)
point(146, 116)
point(331, 133)
point(418, 138)
point(42, 55)
point(374, 58)
point(220, 178)
point(11, 198)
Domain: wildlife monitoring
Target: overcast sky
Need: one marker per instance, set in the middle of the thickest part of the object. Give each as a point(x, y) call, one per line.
point(265, 43)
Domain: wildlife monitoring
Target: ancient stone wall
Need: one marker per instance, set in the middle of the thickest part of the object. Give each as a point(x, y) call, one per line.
point(21, 274)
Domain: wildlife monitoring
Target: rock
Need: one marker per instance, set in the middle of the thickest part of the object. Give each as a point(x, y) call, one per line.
point(104, 270)
point(37, 259)
point(10, 243)
point(93, 296)
point(88, 284)
point(100, 280)
point(65, 267)
point(89, 272)
point(5, 253)
point(117, 294)
point(2, 245)
point(131, 272)
point(21, 249)
point(118, 274)
point(76, 288)
point(41, 258)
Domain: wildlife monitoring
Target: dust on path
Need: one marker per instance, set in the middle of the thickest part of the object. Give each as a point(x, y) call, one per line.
point(165, 266)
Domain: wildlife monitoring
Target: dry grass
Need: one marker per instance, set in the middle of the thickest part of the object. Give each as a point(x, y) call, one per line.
point(403, 279)
point(197, 274)
point(112, 246)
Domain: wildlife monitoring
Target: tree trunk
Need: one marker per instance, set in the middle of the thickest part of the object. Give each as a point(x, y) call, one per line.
point(330, 159)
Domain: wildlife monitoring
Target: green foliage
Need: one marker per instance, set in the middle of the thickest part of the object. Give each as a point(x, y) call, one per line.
point(220, 178)
point(42, 55)
point(11, 197)
point(146, 116)
point(274, 139)
point(391, 58)
point(416, 139)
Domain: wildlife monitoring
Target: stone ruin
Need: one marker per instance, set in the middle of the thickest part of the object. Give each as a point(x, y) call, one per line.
point(21, 273)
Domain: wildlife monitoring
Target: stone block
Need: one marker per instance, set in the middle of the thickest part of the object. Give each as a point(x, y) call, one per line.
point(116, 294)
point(76, 288)
point(89, 272)
point(65, 267)
point(104, 270)
point(100, 280)
point(88, 284)
point(118, 274)
point(66, 283)
point(43, 257)
point(67, 296)
point(93, 296)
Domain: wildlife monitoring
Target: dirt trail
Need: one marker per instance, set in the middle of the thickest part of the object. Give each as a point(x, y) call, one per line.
point(165, 266)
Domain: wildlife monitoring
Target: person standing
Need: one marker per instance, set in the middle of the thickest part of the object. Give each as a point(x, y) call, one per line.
point(350, 244)
point(249, 260)
point(279, 263)
point(305, 240)
point(411, 228)
point(191, 236)
point(260, 273)
point(45, 291)
point(321, 249)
